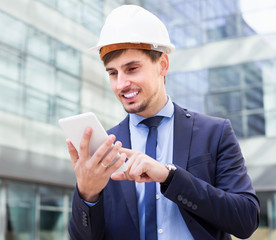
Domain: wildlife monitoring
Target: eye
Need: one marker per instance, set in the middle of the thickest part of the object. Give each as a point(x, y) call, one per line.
point(132, 69)
point(112, 73)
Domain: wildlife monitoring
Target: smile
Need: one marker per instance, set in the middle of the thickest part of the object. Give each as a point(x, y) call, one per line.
point(130, 95)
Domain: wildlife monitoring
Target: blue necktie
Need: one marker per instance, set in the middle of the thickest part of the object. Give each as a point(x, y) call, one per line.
point(150, 188)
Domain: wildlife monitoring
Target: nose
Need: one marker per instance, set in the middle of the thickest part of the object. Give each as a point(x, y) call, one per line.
point(122, 81)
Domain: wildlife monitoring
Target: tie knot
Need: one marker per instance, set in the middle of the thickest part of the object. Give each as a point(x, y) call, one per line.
point(152, 121)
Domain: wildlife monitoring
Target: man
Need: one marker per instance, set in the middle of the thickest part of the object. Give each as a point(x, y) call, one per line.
point(205, 194)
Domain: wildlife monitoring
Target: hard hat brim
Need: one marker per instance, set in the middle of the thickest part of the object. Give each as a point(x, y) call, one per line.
point(147, 46)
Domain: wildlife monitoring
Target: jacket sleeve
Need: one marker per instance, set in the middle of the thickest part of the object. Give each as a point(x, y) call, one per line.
point(215, 188)
point(86, 223)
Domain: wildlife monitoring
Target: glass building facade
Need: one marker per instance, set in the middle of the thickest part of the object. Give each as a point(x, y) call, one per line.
point(34, 211)
point(224, 65)
point(40, 76)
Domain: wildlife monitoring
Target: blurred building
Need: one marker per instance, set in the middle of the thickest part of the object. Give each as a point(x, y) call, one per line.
point(224, 65)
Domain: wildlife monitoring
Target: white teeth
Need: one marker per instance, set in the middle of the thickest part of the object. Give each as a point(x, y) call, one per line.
point(130, 95)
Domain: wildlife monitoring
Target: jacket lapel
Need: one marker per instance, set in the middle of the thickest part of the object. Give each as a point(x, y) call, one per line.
point(183, 126)
point(128, 187)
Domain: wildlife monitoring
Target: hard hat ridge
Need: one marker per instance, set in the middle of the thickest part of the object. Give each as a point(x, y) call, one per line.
point(134, 25)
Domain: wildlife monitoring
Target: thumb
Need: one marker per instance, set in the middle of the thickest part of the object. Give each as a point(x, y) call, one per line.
point(118, 176)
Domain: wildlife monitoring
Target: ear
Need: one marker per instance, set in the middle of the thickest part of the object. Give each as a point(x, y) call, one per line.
point(164, 61)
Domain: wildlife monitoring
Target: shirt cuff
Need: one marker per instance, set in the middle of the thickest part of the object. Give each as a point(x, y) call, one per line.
point(89, 204)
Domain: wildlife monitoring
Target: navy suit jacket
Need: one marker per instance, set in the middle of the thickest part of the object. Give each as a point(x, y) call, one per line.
point(210, 186)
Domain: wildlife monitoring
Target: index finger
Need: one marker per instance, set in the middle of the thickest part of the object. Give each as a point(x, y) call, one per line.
point(128, 152)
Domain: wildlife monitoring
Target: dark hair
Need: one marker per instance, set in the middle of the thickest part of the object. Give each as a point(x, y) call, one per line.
point(153, 55)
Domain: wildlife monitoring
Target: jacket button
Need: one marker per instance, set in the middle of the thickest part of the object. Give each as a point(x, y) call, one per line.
point(188, 115)
point(194, 207)
point(184, 201)
point(189, 204)
point(179, 198)
point(84, 219)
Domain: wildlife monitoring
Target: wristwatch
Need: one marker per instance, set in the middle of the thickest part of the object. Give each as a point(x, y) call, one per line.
point(164, 185)
point(170, 166)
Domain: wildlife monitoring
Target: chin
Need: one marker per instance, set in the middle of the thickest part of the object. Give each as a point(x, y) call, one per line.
point(131, 108)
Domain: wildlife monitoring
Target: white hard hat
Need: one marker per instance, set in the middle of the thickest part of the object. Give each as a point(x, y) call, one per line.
point(131, 26)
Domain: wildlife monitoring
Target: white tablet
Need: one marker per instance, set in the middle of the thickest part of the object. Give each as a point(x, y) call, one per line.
point(74, 127)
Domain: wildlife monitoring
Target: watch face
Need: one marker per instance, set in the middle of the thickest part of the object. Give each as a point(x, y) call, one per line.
point(170, 166)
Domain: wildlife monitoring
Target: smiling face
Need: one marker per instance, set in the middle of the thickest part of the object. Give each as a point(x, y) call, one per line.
point(138, 82)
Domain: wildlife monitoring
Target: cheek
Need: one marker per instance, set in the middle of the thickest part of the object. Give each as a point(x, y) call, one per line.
point(113, 85)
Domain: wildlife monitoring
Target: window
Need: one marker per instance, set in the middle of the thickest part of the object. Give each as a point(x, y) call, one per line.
point(71, 9)
point(13, 32)
point(243, 93)
point(38, 105)
point(10, 96)
point(220, 28)
point(51, 213)
point(20, 207)
point(224, 102)
point(68, 87)
point(68, 59)
point(10, 64)
point(34, 211)
point(93, 17)
point(39, 76)
point(40, 45)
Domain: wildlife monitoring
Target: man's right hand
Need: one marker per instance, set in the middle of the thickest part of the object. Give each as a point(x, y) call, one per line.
point(93, 172)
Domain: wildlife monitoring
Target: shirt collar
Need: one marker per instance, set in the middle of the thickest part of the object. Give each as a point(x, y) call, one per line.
point(166, 111)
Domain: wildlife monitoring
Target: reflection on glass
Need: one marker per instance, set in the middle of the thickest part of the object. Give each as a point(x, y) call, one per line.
point(10, 96)
point(186, 36)
point(270, 97)
point(223, 103)
point(218, 8)
point(224, 77)
point(9, 64)
point(220, 28)
point(40, 76)
point(31, 82)
point(239, 92)
point(254, 98)
point(37, 105)
point(51, 225)
point(270, 123)
point(188, 89)
point(237, 124)
point(71, 9)
point(256, 125)
point(93, 17)
point(68, 87)
point(64, 108)
point(39, 45)
point(70, 193)
point(68, 59)
point(51, 196)
point(13, 32)
point(20, 209)
point(252, 73)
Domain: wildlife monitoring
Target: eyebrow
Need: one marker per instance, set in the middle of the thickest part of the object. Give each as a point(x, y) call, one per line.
point(124, 65)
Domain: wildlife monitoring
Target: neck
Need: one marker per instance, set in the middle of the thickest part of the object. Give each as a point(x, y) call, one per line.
point(152, 111)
